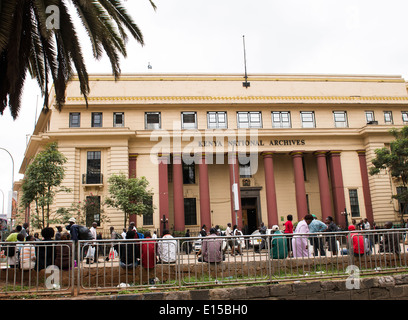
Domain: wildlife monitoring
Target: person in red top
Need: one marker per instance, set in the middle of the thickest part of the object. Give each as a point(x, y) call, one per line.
point(357, 241)
point(149, 251)
point(149, 255)
point(289, 230)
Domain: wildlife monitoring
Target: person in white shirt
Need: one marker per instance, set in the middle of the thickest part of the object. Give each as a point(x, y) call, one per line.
point(167, 249)
point(123, 234)
point(366, 224)
point(154, 236)
point(93, 230)
point(229, 232)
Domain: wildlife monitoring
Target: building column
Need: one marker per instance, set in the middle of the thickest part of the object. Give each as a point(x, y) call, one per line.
point(336, 174)
point(234, 172)
point(132, 174)
point(366, 186)
point(271, 203)
point(178, 192)
point(164, 160)
point(301, 202)
point(324, 185)
point(204, 187)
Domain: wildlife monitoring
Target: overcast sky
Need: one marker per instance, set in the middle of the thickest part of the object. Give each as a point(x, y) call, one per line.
point(205, 36)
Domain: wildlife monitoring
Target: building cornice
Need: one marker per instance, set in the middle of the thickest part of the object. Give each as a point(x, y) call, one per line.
point(251, 77)
point(240, 99)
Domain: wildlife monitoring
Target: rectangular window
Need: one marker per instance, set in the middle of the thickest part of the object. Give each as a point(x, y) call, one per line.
point(188, 120)
point(74, 119)
point(388, 117)
point(96, 119)
point(118, 119)
point(369, 117)
point(403, 209)
point(188, 173)
point(152, 120)
point(340, 119)
point(405, 117)
point(216, 120)
point(354, 206)
point(281, 119)
point(308, 119)
point(190, 211)
point(148, 218)
point(245, 170)
point(93, 168)
point(93, 210)
point(251, 119)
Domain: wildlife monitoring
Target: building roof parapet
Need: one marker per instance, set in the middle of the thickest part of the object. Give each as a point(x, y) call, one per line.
point(241, 99)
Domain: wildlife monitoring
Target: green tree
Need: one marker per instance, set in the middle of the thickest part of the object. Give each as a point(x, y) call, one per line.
point(129, 195)
point(42, 179)
point(395, 160)
point(39, 37)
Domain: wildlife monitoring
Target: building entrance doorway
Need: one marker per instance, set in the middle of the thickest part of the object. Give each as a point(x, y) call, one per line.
point(250, 220)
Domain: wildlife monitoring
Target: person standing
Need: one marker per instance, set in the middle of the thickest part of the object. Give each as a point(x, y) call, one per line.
point(262, 231)
point(58, 233)
point(188, 244)
point(317, 226)
point(299, 242)
point(123, 233)
point(288, 232)
point(366, 224)
point(93, 230)
point(24, 230)
point(332, 227)
point(203, 232)
point(230, 241)
point(237, 241)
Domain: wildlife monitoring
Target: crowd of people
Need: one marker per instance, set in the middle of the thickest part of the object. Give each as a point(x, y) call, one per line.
point(294, 242)
point(312, 231)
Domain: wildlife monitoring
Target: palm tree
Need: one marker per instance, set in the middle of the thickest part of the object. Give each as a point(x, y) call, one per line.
point(39, 36)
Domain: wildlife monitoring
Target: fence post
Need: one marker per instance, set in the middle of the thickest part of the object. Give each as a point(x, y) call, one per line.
point(72, 271)
point(78, 256)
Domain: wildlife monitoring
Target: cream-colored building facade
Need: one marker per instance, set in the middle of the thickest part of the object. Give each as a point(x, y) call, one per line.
point(293, 144)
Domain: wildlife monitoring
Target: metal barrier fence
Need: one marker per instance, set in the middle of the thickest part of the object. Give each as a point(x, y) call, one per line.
point(66, 267)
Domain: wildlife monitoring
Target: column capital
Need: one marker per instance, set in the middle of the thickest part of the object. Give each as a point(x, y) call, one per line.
point(267, 154)
point(361, 152)
point(296, 153)
point(133, 155)
point(334, 153)
point(320, 153)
